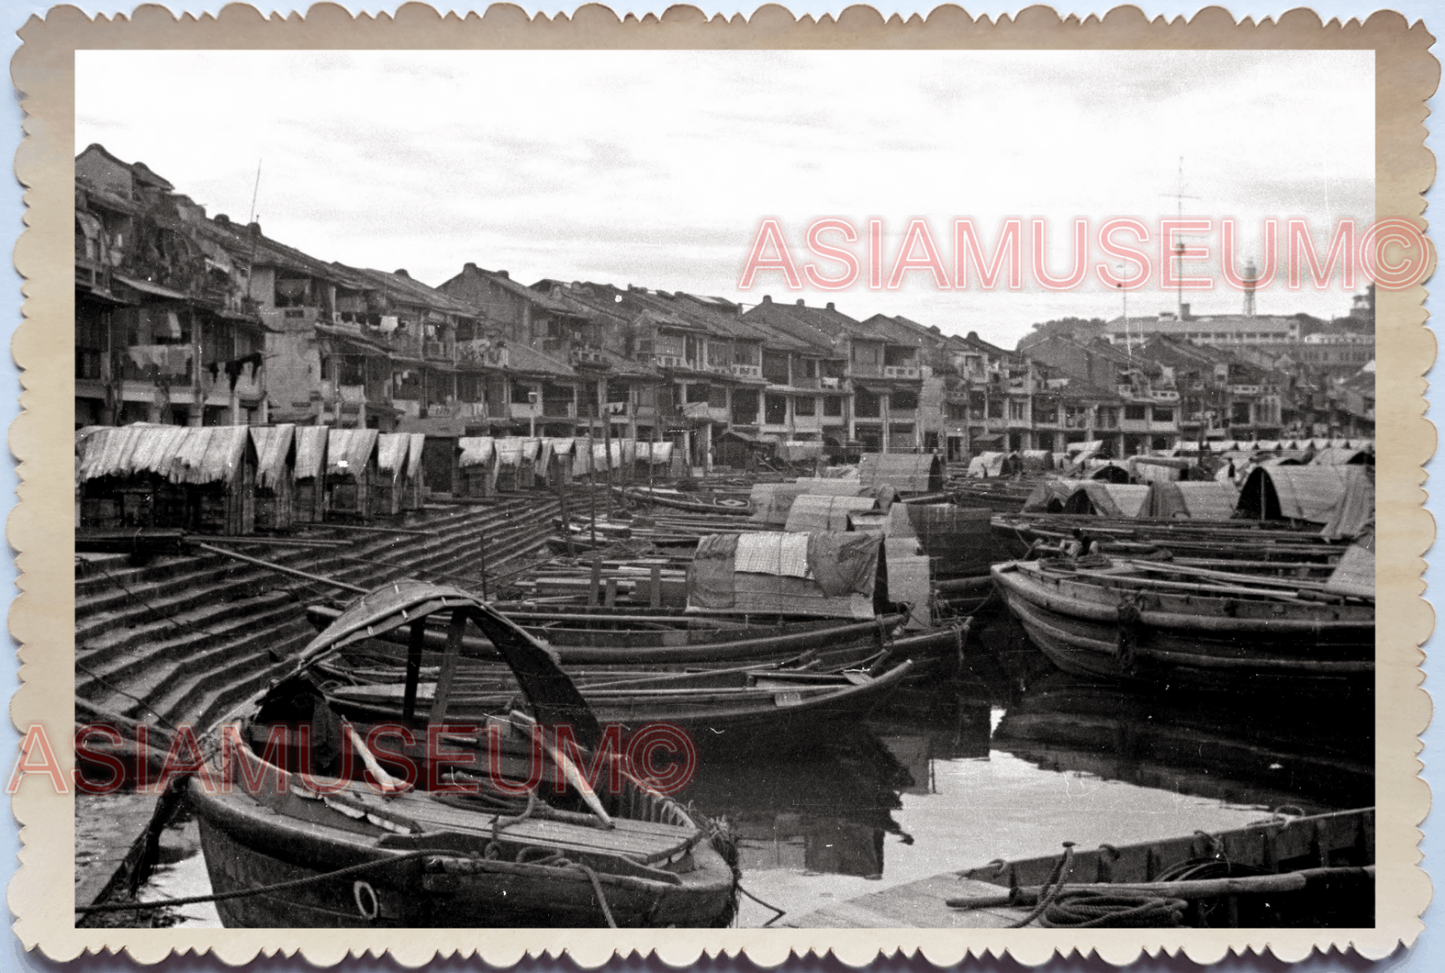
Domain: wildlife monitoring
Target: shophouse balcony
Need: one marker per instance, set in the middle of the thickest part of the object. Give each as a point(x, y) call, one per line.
point(807, 423)
point(585, 355)
point(1246, 389)
point(1164, 395)
point(481, 351)
point(807, 382)
point(902, 371)
point(673, 361)
point(441, 351)
point(1148, 425)
point(165, 364)
point(300, 317)
point(249, 384)
point(356, 394)
point(865, 370)
point(405, 343)
point(92, 273)
point(747, 371)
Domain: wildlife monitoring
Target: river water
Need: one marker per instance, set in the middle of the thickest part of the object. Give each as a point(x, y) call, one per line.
point(1008, 760)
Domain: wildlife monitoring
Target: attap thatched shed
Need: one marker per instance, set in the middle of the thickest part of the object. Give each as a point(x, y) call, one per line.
point(477, 466)
point(275, 475)
point(199, 478)
point(351, 471)
point(308, 488)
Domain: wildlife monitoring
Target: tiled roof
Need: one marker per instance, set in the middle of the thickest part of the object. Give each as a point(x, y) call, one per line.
point(412, 291)
point(523, 358)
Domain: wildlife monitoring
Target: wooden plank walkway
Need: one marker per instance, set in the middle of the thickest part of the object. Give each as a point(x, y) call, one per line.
point(916, 905)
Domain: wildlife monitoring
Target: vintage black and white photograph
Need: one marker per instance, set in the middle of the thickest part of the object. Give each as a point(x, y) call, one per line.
point(817, 489)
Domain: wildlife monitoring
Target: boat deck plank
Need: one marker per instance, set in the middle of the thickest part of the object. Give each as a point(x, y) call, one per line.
point(916, 905)
point(629, 837)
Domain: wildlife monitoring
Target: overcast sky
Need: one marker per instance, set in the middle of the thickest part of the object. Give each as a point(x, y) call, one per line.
point(654, 168)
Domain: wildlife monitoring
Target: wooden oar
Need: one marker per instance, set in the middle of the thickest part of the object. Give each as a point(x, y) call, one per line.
point(1205, 888)
point(1167, 567)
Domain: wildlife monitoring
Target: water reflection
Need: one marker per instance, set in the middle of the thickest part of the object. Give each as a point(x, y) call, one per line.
point(1239, 751)
point(833, 812)
point(827, 812)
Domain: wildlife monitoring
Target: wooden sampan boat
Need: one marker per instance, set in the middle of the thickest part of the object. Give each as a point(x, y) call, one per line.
point(837, 645)
point(1095, 618)
point(319, 851)
point(777, 709)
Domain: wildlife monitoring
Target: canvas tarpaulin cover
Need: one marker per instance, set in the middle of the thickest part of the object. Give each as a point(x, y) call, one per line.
point(810, 513)
point(988, 465)
point(904, 472)
point(1159, 469)
point(604, 459)
point(273, 448)
point(951, 535)
point(1355, 574)
point(657, 454)
point(1049, 496)
point(1333, 456)
point(1196, 500)
point(1107, 499)
point(515, 450)
point(771, 502)
point(823, 574)
point(349, 451)
point(795, 451)
point(1340, 498)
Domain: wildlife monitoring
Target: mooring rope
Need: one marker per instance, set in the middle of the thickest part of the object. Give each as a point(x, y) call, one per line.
point(1060, 906)
point(294, 883)
point(555, 859)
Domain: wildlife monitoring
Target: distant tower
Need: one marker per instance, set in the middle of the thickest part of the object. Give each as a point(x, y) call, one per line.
point(1251, 274)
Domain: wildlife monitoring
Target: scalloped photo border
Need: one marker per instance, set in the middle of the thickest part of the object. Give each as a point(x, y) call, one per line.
point(42, 617)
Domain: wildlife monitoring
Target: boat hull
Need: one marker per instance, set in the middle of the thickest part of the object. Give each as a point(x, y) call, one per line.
point(1088, 630)
point(783, 715)
point(246, 847)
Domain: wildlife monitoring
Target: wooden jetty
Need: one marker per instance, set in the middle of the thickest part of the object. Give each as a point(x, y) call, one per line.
point(1284, 871)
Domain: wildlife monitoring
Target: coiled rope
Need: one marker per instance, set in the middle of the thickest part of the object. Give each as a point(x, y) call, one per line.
point(1061, 907)
point(1080, 908)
